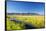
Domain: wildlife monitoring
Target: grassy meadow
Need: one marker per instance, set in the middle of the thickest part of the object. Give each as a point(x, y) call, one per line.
point(35, 20)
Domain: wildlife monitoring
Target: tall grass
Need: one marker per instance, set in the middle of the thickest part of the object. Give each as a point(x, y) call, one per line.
point(37, 21)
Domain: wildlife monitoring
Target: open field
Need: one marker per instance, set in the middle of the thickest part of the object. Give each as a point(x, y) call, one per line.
point(37, 21)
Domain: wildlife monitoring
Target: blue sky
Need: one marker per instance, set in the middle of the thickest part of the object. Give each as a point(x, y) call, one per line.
point(25, 7)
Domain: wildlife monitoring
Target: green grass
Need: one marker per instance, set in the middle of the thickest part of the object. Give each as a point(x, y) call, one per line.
point(37, 21)
point(11, 25)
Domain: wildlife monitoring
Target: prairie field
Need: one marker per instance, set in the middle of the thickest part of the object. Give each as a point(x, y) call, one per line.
point(36, 20)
